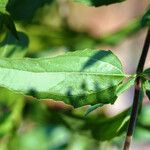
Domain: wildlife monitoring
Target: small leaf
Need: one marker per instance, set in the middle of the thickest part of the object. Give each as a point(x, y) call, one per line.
point(147, 72)
point(92, 108)
point(11, 47)
point(146, 18)
point(108, 128)
point(97, 3)
point(147, 88)
point(125, 86)
point(79, 78)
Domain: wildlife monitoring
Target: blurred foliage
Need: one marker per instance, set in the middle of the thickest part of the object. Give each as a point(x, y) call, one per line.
point(24, 10)
point(146, 18)
point(142, 131)
point(42, 31)
point(3, 4)
point(11, 47)
point(7, 22)
point(41, 127)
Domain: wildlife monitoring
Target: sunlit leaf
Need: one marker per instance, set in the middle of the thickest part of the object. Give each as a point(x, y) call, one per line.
point(78, 78)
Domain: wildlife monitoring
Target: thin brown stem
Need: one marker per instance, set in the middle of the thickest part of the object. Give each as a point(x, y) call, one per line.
point(136, 102)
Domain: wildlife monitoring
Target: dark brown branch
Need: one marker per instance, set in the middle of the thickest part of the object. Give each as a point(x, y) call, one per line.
point(136, 102)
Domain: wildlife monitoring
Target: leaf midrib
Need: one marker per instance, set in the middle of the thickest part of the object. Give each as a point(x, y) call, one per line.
point(75, 73)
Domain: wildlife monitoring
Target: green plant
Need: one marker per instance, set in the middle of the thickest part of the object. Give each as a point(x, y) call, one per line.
point(79, 78)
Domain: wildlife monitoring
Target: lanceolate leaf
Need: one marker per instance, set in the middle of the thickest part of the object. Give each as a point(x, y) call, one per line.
point(125, 86)
point(92, 108)
point(97, 3)
point(79, 78)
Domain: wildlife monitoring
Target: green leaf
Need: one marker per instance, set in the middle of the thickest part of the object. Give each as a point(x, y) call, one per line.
point(147, 88)
point(92, 108)
point(125, 86)
point(97, 3)
point(24, 10)
point(146, 18)
point(11, 105)
point(147, 72)
point(118, 36)
point(3, 4)
point(7, 21)
point(108, 128)
point(11, 47)
point(78, 78)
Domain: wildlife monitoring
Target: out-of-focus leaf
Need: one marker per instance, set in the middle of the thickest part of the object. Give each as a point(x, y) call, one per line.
point(147, 88)
point(118, 36)
point(142, 131)
point(24, 10)
point(11, 105)
point(1, 21)
point(146, 18)
point(97, 3)
point(79, 78)
point(43, 138)
point(109, 128)
point(125, 86)
point(148, 93)
point(11, 47)
point(92, 108)
point(144, 116)
point(146, 83)
point(100, 127)
point(43, 37)
point(147, 72)
point(7, 21)
point(140, 100)
point(3, 4)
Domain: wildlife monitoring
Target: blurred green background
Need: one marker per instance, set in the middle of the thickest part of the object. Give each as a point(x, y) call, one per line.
point(47, 28)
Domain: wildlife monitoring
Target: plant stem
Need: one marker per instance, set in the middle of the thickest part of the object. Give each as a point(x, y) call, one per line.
point(136, 102)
